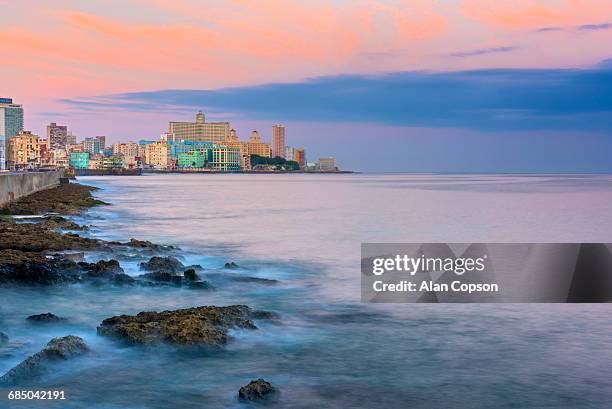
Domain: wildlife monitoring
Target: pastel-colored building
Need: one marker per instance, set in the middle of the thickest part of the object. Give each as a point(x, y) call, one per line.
point(254, 146)
point(157, 155)
point(326, 165)
point(199, 131)
point(79, 160)
point(24, 150)
point(226, 158)
point(57, 136)
point(192, 160)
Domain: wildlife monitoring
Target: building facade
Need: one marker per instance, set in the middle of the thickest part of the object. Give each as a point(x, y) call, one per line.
point(24, 151)
point(199, 131)
point(79, 160)
point(278, 141)
point(326, 165)
point(225, 158)
point(57, 135)
point(254, 146)
point(92, 146)
point(192, 160)
point(300, 157)
point(11, 123)
point(157, 155)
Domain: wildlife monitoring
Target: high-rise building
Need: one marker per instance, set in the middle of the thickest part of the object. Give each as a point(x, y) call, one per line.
point(199, 131)
point(70, 139)
point(278, 141)
point(24, 150)
point(300, 157)
point(11, 123)
point(92, 146)
point(57, 135)
point(102, 141)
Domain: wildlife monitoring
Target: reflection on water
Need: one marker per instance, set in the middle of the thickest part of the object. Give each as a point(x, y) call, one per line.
point(329, 350)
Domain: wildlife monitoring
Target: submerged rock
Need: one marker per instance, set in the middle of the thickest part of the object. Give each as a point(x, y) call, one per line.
point(200, 285)
point(57, 349)
point(256, 390)
point(102, 269)
point(231, 265)
point(167, 264)
point(58, 222)
point(31, 268)
point(3, 338)
point(46, 317)
point(191, 275)
point(203, 326)
point(145, 244)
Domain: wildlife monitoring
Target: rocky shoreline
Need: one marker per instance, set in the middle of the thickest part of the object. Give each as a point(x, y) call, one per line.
point(47, 250)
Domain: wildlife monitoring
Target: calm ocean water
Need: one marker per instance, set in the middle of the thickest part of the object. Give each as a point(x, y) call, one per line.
point(329, 350)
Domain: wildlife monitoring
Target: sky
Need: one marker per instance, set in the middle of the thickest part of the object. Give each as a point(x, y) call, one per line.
point(389, 85)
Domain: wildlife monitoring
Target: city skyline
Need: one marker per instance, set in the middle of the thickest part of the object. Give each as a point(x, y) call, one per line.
point(514, 86)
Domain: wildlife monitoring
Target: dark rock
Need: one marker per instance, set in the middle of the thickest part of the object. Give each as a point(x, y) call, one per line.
point(160, 276)
point(191, 275)
point(145, 244)
point(3, 338)
point(30, 237)
point(122, 279)
point(57, 349)
point(58, 222)
point(231, 265)
point(31, 268)
point(201, 326)
point(255, 280)
point(168, 264)
point(69, 198)
point(102, 269)
point(256, 390)
point(200, 285)
point(46, 317)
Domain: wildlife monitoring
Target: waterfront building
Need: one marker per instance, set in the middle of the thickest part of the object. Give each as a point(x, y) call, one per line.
point(11, 123)
point(101, 141)
point(226, 158)
point(112, 162)
point(95, 162)
point(289, 153)
point(278, 141)
point(326, 165)
point(199, 131)
point(254, 146)
point(57, 135)
point(177, 148)
point(246, 161)
point(196, 159)
point(92, 146)
point(79, 160)
point(71, 139)
point(157, 155)
point(24, 151)
point(300, 157)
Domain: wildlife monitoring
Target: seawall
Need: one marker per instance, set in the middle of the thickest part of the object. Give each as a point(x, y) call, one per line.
point(16, 185)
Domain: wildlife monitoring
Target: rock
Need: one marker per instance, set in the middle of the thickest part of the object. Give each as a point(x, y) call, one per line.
point(200, 285)
point(231, 265)
point(3, 338)
point(191, 275)
point(163, 277)
point(46, 317)
point(69, 198)
point(58, 222)
point(31, 268)
point(57, 349)
point(30, 237)
point(145, 244)
point(255, 280)
point(102, 269)
point(256, 390)
point(167, 264)
point(122, 279)
point(200, 326)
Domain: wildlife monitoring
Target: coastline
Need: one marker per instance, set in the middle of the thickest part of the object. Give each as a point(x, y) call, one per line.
point(43, 248)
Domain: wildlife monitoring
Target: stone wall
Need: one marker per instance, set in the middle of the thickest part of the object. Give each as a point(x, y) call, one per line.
point(16, 185)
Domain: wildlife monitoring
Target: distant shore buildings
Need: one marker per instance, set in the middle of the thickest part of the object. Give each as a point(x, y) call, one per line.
point(186, 146)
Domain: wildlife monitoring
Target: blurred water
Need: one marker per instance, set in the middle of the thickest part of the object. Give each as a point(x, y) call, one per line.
point(328, 349)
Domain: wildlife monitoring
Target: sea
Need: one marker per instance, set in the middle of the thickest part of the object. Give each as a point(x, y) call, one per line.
point(327, 349)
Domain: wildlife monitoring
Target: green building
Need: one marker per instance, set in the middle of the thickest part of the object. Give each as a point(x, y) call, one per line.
point(79, 160)
point(192, 159)
point(112, 162)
